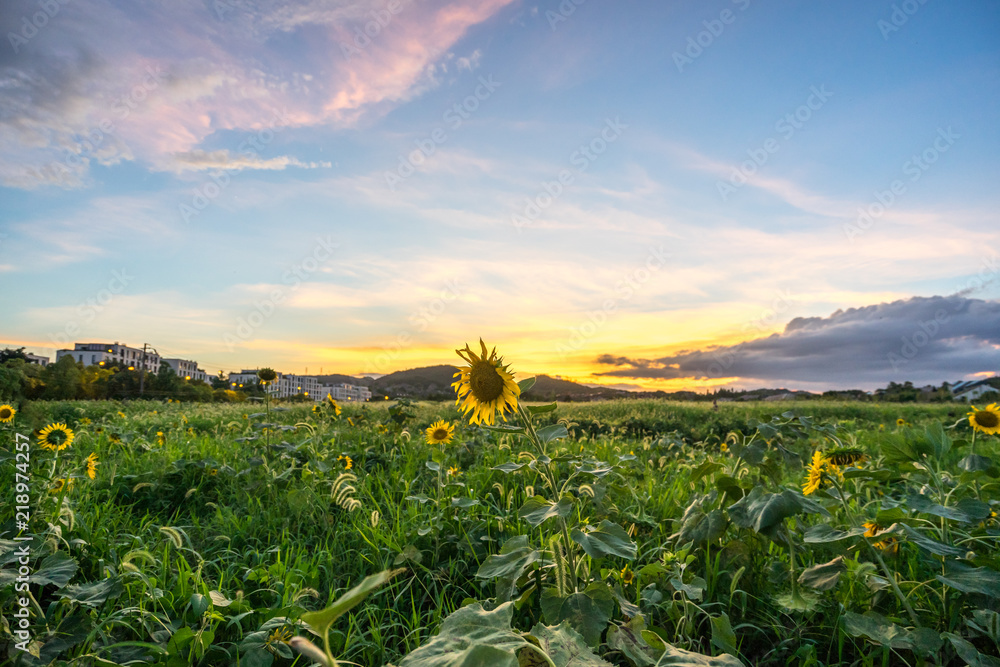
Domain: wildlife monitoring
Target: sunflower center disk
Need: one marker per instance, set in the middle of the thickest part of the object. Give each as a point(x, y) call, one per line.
point(485, 381)
point(987, 419)
point(440, 434)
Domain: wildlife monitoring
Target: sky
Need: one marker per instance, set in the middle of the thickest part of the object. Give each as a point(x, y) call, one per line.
point(647, 195)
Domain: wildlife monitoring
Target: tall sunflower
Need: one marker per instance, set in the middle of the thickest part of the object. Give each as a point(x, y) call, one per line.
point(7, 413)
point(334, 405)
point(440, 433)
point(55, 437)
point(986, 420)
point(814, 475)
point(92, 464)
point(485, 388)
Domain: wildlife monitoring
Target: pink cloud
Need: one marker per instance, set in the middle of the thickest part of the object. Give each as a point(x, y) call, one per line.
point(169, 77)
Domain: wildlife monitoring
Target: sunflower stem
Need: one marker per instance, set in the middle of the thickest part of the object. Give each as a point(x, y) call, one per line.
point(885, 568)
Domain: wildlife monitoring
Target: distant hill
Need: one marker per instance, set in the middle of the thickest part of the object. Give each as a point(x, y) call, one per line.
point(434, 383)
point(429, 382)
point(548, 388)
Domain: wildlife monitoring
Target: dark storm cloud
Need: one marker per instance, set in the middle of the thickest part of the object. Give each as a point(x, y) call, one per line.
point(923, 339)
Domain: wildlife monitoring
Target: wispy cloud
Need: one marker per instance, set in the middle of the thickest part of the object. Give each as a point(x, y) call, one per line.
point(85, 92)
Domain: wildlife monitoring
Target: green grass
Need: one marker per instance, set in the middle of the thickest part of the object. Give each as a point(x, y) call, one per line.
point(232, 533)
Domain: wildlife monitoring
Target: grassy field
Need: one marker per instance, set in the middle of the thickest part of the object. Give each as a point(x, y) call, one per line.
point(624, 533)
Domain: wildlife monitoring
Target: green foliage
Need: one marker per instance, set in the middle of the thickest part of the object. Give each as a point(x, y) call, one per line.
point(624, 534)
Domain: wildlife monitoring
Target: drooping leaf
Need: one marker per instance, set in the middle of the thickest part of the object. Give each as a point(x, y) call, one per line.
point(971, 579)
point(931, 545)
point(629, 639)
point(967, 652)
point(469, 636)
point(700, 527)
point(537, 510)
point(541, 409)
point(56, 569)
point(552, 432)
point(677, 657)
point(588, 612)
point(723, 637)
point(925, 505)
point(823, 577)
point(822, 533)
point(95, 594)
point(565, 646)
point(509, 467)
point(764, 511)
point(507, 567)
point(884, 632)
point(608, 539)
point(320, 621)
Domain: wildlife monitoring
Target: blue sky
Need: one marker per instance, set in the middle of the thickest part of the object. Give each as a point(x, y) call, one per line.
point(243, 176)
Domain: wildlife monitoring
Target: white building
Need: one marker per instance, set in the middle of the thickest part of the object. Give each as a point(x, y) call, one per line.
point(36, 359)
point(345, 392)
point(112, 354)
point(188, 370)
point(971, 390)
point(284, 386)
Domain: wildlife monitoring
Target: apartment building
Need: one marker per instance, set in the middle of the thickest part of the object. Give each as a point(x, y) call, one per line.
point(112, 354)
point(284, 386)
point(345, 392)
point(188, 370)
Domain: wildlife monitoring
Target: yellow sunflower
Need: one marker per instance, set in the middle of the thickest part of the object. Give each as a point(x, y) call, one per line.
point(986, 420)
point(900, 422)
point(60, 484)
point(92, 464)
point(55, 437)
point(348, 463)
point(333, 404)
point(871, 528)
point(454, 471)
point(485, 388)
point(7, 413)
point(845, 456)
point(316, 410)
point(440, 433)
point(627, 576)
point(814, 476)
point(161, 439)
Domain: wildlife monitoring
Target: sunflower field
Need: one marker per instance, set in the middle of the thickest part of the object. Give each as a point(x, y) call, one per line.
point(495, 532)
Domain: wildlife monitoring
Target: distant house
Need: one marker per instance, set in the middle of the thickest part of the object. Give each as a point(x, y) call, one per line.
point(345, 392)
point(284, 386)
point(973, 389)
point(36, 359)
point(188, 370)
